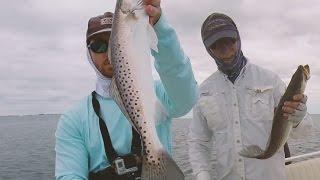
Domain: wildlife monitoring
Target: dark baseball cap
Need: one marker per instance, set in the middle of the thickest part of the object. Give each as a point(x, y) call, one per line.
point(218, 26)
point(99, 24)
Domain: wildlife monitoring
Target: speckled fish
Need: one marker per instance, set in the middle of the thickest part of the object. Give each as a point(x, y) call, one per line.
point(132, 88)
point(281, 127)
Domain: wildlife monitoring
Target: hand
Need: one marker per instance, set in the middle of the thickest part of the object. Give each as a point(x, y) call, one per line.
point(153, 10)
point(296, 109)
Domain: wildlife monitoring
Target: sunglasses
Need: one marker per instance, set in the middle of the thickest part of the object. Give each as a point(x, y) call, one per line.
point(98, 46)
point(222, 42)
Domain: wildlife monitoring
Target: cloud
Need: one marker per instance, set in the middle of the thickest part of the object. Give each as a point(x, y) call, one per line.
point(43, 67)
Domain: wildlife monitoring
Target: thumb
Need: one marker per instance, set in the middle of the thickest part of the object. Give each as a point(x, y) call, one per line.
point(152, 11)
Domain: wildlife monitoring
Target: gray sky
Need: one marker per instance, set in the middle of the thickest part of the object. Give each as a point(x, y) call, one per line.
point(43, 67)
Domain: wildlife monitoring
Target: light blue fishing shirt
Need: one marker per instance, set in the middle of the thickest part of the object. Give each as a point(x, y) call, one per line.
point(79, 145)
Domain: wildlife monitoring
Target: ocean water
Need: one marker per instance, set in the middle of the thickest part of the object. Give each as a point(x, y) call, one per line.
point(27, 146)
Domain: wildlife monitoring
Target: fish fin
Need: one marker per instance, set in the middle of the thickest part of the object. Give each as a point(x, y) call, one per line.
point(252, 151)
point(126, 7)
point(167, 169)
point(152, 37)
point(129, 9)
point(137, 6)
point(114, 92)
point(160, 112)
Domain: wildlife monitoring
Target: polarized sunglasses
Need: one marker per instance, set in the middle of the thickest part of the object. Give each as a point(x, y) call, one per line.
point(223, 41)
point(98, 46)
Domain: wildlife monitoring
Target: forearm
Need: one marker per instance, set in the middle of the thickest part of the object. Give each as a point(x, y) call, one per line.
point(175, 71)
point(169, 52)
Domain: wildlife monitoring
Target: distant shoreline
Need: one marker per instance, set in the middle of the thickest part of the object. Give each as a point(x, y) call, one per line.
point(183, 117)
point(30, 115)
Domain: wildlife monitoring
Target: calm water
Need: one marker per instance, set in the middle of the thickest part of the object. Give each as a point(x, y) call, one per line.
point(27, 146)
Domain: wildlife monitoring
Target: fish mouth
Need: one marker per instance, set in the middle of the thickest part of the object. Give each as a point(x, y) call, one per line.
point(306, 71)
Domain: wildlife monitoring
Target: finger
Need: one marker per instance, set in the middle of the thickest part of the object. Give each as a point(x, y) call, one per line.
point(292, 104)
point(288, 110)
point(298, 97)
point(285, 116)
point(152, 11)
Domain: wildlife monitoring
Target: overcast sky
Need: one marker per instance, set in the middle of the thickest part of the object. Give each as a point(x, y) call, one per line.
point(43, 66)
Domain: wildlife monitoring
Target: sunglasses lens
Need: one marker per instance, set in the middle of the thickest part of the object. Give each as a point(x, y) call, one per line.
point(223, 42)
point(99, 46)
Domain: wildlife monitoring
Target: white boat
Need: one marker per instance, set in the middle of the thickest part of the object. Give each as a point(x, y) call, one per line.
point(304, 167)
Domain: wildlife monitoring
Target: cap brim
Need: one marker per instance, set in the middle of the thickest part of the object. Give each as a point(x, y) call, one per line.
point(218, 35)
point(108, 30)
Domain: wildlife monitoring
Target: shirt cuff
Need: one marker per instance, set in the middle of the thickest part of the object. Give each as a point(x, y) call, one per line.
point(161, 26)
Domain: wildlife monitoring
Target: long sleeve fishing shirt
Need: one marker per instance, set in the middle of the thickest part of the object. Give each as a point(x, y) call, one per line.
point(230, 116)
point(79, 145)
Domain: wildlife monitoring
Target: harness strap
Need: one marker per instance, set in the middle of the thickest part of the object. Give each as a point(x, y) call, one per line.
point(109, 150)
point(136, 146)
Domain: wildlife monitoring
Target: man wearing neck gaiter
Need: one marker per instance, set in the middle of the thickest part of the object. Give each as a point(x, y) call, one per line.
point(81, 150)
point(235, 109)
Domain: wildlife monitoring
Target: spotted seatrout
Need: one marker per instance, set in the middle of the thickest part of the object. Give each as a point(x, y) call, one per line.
point(281, 127)
point(132, 87)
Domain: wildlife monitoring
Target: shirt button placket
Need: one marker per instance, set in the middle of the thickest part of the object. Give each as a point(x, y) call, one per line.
point(237, 134)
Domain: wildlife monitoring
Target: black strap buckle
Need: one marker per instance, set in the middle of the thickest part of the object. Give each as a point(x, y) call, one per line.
point(121, 168)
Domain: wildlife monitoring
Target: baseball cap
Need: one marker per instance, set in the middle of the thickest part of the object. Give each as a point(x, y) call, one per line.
point(99, 24)
point(217, 26)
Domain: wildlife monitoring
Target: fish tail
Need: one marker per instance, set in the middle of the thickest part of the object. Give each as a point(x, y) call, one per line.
point(252, 151)
point(164, 169)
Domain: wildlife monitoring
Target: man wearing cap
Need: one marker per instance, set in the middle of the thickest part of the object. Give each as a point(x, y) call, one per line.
point(235, 109)
point(91, 133)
